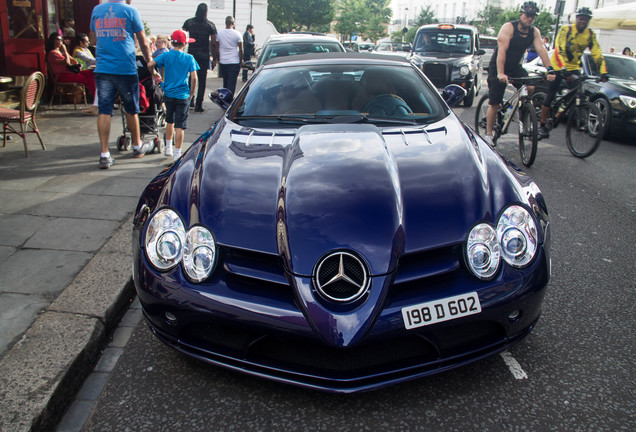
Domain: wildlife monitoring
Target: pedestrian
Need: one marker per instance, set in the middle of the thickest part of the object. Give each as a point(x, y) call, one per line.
point(203, 49)
point(512, 41)
point(627, 51)
point(248, 47)
point(569, 46)
point(612, 49)
point(179, 84)
point(230, 53)
point(162, 46)
point(114, 26)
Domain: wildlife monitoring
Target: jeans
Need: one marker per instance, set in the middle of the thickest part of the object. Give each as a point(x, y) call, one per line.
point(109, 85)
point(230, 72)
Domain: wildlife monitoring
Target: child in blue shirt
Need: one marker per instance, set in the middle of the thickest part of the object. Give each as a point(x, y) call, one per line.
point(179, 85)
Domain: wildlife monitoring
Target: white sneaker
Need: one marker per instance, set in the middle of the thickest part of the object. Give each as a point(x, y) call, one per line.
point(169, 151)
point(490, 140)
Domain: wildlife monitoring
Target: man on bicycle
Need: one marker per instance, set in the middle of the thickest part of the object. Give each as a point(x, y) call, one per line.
point(514, 38)
point(569, 45)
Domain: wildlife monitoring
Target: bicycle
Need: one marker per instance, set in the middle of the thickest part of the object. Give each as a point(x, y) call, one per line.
point(585, 125)
point(517, 107)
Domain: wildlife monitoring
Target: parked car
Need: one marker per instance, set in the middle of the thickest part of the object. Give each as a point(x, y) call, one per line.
point(450, 54)
point(297, 43)
point(488, 44)
point(615, 98)
point(402, 49)
point(339, 228)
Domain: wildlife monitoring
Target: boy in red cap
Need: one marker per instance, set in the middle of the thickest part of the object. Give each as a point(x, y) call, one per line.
point(179, 85)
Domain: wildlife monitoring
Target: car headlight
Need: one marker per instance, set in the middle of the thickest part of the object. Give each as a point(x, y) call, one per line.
point(515, 239)
point(482, 251)
point(628, 101)
point(199, 253)
point(464, 70)
point(165, 237)
point(517, 234)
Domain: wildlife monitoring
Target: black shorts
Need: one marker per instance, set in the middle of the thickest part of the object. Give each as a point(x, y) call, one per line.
point(496, 89)
point(177, 112)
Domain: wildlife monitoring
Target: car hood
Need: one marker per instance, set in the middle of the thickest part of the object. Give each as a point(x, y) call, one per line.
point(626, 87)
point(381, 193)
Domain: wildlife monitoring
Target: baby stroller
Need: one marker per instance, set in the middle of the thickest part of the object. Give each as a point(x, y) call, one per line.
point(152, 116)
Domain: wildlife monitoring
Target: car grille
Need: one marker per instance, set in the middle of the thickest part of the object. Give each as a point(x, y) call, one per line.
point(437, 73)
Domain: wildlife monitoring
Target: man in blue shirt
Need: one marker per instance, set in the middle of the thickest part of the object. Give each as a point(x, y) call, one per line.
point(114, 25)
point(179, 84)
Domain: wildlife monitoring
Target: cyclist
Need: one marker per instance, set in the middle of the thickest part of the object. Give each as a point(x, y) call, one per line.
point(569, 45)
point(514, 38)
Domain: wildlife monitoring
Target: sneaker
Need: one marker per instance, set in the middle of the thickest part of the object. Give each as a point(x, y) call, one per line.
point(106, 162)
point(199, 109)
point(169, 151)
point(544, 132)
point(490, 140)
point(141, 152)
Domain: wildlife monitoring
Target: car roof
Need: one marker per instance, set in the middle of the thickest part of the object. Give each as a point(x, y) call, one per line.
point(299, 37)
point(338, 58)
point(457, 26)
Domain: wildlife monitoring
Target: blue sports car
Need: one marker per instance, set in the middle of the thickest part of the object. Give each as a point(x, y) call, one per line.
point(339, 228)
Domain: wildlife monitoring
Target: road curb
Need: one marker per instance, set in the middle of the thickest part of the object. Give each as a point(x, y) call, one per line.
point(42, 372)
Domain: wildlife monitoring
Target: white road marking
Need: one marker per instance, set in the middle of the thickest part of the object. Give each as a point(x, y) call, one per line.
point(513, 366)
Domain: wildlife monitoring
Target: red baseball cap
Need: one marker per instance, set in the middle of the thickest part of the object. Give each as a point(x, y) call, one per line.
point(179, 36)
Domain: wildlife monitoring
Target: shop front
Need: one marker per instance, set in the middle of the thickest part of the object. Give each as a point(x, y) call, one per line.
point(26, 24)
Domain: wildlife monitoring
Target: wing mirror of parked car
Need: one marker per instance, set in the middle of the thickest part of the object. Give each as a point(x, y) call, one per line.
point(453, 94)
point(480, 52)
point(222, 97)
point(248, 65)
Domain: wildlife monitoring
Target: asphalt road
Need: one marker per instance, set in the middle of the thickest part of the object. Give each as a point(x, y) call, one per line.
point(575, 372)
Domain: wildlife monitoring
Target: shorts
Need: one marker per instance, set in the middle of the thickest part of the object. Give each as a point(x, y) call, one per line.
point(177, 111)
point(109, 85)
point(555, 86)
point(496, 88)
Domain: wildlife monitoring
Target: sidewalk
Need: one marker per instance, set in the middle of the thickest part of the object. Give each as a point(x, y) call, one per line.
point(65, 258)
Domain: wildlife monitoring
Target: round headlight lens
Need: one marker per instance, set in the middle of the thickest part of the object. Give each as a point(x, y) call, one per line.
point(482, 251)
point(165, 237)
point(464, 70)
point(518, 236)
point(199, 253)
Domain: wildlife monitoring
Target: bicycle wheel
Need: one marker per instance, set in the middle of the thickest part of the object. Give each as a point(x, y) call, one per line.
point(537, 101)
point(480, 116)
point(585, 130)
point(528, 133)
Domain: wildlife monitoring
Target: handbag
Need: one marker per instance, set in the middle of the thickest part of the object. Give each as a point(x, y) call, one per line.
point(75, 68)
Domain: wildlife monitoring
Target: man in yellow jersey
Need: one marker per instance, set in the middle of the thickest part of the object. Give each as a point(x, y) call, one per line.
point(569, 45)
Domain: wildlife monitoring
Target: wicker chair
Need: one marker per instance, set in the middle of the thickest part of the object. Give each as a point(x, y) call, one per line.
point(29, 101)
point(65, 88)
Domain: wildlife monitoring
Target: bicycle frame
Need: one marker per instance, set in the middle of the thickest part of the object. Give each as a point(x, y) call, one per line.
point(574, 96)
point(515, 101)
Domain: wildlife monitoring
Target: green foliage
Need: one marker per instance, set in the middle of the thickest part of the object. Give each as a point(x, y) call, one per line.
point(367, 18)
point(492, 18)
point(146, 28)
point(306, 15)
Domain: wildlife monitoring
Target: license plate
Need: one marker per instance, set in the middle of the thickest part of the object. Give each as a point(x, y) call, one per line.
point(441, 310)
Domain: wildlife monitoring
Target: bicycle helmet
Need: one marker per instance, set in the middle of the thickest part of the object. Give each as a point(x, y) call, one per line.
point(529, 8)
point(584, 11)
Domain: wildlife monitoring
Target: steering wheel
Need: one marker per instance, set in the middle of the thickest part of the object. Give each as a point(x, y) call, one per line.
point(387, 105)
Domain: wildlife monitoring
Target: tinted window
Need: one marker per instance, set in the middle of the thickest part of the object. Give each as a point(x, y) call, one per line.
point(334, 91)
point(617, 67)
point(295, 48)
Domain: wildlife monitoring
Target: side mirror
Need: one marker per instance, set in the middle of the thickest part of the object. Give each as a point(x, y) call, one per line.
point(222, 97)
point(480, 52)
point(248, 65)
point(453, 94)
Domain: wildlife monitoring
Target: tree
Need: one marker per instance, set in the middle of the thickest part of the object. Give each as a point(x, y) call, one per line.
point(310, 15)
point(366, 18)
point(492, 18)
point(488, 19)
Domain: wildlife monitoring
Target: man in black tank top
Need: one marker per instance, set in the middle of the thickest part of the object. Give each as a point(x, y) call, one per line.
point(512, 41)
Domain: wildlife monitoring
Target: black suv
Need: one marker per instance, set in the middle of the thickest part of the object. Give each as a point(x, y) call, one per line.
point(449, 54)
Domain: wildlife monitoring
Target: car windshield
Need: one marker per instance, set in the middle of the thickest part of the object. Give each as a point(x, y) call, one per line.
point(446, 41)
point(393, 46)
point(295, 48)
point(617, 67)
point(342, 93)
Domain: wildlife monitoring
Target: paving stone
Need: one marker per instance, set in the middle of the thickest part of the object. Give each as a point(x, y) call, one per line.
point(16, 229)
point(87, 234)
point(87, 206)
point(17, 313)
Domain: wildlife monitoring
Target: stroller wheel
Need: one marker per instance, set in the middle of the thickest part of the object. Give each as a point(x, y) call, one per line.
point(120, 143)
point(127, 141)
point(162, 119)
